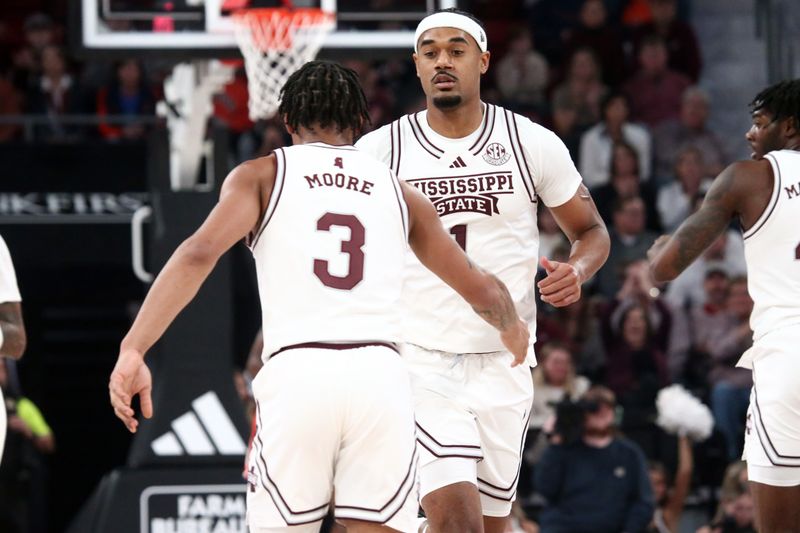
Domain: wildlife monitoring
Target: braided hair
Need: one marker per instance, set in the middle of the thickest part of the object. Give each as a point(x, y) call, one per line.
point(326, 94)
point(782, 100)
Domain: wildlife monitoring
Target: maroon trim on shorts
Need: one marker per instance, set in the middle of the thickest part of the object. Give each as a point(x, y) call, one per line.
point(760, 422)
point(336, 346)
point(422, 429)
point(411, 472)
point(513, 487)
point(265, 474)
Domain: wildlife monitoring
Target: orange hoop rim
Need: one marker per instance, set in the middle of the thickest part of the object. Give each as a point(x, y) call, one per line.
point(267, 34)
point(307, 16)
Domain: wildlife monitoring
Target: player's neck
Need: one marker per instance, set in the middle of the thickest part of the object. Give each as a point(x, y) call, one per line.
point(457, 122)
point(332, 137)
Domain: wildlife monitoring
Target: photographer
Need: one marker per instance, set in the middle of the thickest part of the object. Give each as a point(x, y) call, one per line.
point(594, 481)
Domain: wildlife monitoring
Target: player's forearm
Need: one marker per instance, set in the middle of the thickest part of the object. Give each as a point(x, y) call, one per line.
point(13, 331)
point(590, 251)
point(173, 289)
point(494, 304)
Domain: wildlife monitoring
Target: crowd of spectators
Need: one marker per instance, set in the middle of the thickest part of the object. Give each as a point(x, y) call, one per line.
point(617, 81)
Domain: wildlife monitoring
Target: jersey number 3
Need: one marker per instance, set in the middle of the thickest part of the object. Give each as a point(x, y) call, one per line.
point(352, 247)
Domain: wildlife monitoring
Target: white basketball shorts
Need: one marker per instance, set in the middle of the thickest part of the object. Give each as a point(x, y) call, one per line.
point(332, 416)
point(772, 436)
point(470, 408)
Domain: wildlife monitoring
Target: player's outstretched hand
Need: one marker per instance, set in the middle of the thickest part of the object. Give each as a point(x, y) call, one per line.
point(562, 286)
point(129, 378)
point(516, 339)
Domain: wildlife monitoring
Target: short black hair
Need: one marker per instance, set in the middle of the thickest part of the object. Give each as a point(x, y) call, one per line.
point(781, 100)
point(324, 93)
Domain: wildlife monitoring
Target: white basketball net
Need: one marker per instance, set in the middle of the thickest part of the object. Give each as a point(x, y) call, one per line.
point(275, 43)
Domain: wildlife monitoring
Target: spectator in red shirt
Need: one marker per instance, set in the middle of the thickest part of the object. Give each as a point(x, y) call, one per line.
point(655, 91)
point(682, 48)
point(128, 94)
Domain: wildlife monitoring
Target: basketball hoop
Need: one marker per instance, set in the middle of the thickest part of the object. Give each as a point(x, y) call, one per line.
point(275, 42)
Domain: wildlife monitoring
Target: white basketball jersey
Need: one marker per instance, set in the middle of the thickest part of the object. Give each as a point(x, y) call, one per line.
point(331, 249)
point(485, 187)
point(772, 250)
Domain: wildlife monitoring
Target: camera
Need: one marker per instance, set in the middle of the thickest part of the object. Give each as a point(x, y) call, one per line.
point(570, 416)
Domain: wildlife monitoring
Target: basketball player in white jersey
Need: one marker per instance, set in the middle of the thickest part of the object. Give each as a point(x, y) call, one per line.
point(328, 226)
point(764, 196)
point(485, 169)
point(12, 329)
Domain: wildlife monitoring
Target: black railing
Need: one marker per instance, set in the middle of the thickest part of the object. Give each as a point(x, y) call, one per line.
point(31, 124)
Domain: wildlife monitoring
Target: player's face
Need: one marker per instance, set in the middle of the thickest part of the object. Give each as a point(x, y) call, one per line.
point(449, 66)
point(764, 135)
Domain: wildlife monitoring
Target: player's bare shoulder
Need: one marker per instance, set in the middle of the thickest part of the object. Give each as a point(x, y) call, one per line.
point(748, 184)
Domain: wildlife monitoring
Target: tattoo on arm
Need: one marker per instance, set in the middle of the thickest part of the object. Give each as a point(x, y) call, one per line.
point(501, 313)
point(704, 226)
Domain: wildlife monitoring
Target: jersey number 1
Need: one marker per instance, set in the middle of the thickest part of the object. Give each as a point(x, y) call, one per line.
point(352, 247)
point(459, 231)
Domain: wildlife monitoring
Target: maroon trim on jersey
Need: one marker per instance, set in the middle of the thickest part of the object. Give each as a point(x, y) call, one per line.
point(419, 134)
point(486, 129)
point(776, 191)
point(395, 144)
point(511, 490)
point(523, 168)
point(410, 473)
point(399, 147)
point(336, 346)
point(401, 202)
point(768, 444)
point(320, 144)
point(280, 178)
point(524, 158)
point(321, 510)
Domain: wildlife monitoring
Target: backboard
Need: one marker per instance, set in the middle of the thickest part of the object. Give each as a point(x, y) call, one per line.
point(203, 28)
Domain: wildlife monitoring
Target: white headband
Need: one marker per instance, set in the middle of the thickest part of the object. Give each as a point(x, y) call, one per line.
point(451, 20)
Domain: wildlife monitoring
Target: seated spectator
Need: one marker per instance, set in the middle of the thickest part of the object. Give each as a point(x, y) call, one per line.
point(23, 471)
point(583, 87)
point(27, 61)
point(564, 123)
point(635, 329)
point(682, 47)
point(629, 243)
point(550, 235)
point(591, 478)
point(676, 199)
point(523, 73)
point(725, 336)
point(626, 182)
point(127, 95)
point(735, 513)
point(10, 104)
point(689, 129)
point(596, 33)
point(670, 498)
point(597, 142)
point(55, 94)
point(554, 379)
point(687, 291)
point(655, 90)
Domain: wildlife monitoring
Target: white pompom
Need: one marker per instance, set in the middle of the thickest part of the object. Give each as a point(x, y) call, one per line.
point(681, 413)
